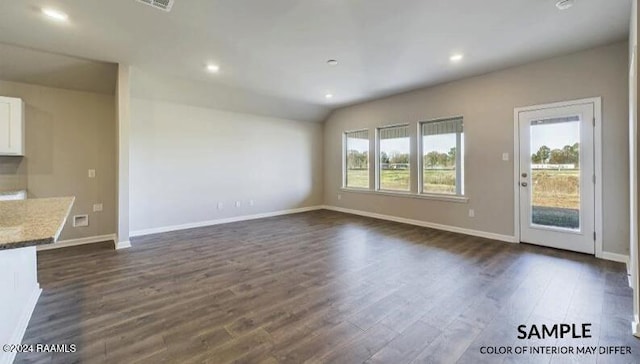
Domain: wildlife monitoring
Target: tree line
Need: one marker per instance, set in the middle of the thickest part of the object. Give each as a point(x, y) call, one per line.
point(357, 160)
point(569, 154)
point(360, 160)
point(442, 160)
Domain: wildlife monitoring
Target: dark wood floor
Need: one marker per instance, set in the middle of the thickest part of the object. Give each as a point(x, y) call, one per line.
point(321, 287)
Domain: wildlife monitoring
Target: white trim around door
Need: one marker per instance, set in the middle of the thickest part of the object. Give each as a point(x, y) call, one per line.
point(597, 113)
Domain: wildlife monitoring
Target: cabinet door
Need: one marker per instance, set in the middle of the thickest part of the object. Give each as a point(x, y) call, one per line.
point(11, 126)
point(5, 126)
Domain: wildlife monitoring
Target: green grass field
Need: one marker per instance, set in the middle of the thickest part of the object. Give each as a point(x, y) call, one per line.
point(358, 178)
point(434, 181)
point(551, 188)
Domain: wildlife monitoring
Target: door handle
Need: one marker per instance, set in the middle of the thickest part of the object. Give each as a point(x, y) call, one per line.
point(523, 184)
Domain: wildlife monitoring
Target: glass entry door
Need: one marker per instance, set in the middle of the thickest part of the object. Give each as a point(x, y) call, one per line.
point(556, 177)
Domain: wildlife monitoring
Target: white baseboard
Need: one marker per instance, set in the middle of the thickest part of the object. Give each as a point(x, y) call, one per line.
point(454, 229)
point(620, 258)
point(21, 328)
point(75, 242)
point(122, 244)
point(193, 225)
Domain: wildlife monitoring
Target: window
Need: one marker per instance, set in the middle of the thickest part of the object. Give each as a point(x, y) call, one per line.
point(393, 168)
point(356, 172)
point(442, 147)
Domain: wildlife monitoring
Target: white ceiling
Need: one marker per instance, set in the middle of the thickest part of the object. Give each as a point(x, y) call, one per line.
point(278, 48)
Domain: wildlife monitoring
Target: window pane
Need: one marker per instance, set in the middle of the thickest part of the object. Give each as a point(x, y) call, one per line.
point(555, 168)
point(394, 159)
point(439, 163)
point(357, 163)
point(443, 156)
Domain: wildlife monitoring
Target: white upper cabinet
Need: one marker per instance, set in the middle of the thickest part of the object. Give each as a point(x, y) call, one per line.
point(11, 126)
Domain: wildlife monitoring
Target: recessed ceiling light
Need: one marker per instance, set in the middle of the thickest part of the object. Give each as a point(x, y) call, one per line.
point(213, 68)
point(328, 96)
point(54, 14)
point(332, 62)
point(456, 57)
point(564, 4)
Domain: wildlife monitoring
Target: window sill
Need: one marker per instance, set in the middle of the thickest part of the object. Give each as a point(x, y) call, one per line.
point(422, 196)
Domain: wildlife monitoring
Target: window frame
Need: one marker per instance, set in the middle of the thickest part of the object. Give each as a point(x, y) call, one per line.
point(460, 165)
point(378, 169)
point(345, 163)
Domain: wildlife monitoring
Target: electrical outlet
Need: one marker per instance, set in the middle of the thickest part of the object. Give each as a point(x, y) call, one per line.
point(238, 203)
point(251, 203)
point(97, 207)
point(472, 213)
point(92, 173)
point(220, 205)
point(505, 157)
point(339, 197)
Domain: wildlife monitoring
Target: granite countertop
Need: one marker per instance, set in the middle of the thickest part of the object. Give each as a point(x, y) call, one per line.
point(33, 221)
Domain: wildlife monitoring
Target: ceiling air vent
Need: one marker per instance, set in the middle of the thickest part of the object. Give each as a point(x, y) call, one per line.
point(164, 5)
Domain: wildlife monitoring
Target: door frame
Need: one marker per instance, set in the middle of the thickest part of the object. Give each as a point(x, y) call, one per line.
point(597, 150)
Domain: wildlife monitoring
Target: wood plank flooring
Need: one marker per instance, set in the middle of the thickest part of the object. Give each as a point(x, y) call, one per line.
point(321, 287)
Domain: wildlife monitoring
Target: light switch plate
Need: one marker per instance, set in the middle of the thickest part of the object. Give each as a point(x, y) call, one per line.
point(92, 173)
point(97, 207)
point(505, 157)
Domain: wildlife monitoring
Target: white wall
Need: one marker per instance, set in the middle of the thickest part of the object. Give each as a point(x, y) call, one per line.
point(487, 104)
point(151, 85)
point(186, 159)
